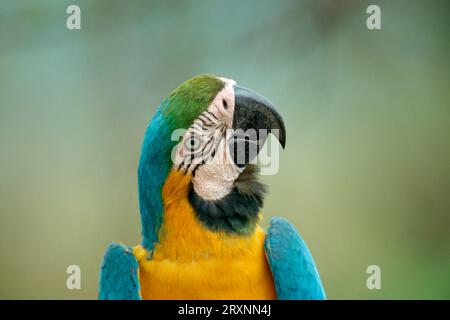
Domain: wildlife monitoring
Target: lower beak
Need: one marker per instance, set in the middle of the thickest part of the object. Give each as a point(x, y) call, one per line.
point(254, 118)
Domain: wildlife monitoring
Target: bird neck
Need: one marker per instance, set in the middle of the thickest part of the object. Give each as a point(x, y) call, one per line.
point(182, 236)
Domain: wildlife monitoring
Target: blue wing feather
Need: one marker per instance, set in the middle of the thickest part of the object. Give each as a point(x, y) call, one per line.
point(293, 268)
point(119, 278)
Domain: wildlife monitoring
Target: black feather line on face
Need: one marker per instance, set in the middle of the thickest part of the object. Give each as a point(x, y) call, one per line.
point(207, 121)
point(237, 212)
point(212, 114)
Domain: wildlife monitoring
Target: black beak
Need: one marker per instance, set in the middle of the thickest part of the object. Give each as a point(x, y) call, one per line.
point(254, 118)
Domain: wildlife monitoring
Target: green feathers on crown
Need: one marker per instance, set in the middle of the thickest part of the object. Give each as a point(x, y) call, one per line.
point(190, 99)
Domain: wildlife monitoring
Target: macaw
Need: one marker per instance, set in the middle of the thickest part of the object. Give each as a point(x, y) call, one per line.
point(200, 202)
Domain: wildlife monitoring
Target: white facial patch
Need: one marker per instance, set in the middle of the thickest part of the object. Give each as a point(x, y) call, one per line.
point(214, 179)
point(204, 149)
point(223, 104)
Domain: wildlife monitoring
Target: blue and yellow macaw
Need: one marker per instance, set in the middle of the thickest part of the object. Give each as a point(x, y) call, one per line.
point(200, 203)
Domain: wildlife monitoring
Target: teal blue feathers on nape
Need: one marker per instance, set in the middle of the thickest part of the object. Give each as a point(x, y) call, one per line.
point(153, 170)
point(178, 111)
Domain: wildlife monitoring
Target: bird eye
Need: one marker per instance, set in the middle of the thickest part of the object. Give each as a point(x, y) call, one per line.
point(225, 104)
point(192, 144)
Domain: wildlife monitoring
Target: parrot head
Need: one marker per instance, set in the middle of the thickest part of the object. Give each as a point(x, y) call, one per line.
point(208, 131)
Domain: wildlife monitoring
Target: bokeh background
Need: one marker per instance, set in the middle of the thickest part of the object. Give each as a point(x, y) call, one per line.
point(365, 176)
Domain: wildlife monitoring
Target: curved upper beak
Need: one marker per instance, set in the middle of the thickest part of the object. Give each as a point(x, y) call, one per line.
point(254, 118)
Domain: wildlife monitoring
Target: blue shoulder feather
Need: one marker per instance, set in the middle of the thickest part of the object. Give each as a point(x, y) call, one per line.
point(294, 272)
point(119, 274)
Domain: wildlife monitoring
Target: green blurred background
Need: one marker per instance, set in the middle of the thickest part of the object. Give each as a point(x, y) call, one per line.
point(365, 176)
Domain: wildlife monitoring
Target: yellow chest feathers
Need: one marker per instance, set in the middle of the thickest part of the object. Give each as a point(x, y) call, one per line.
point(192, 262)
